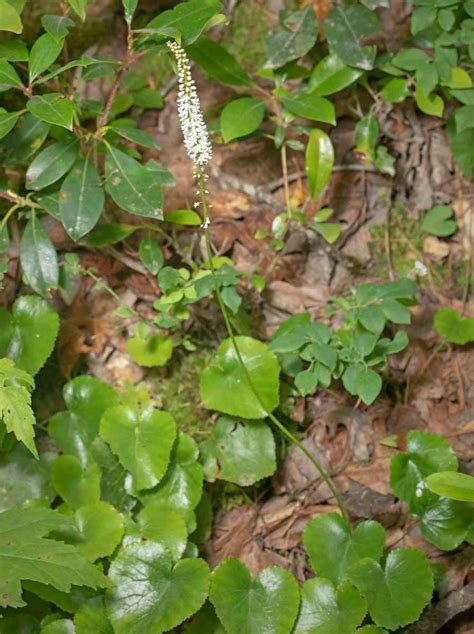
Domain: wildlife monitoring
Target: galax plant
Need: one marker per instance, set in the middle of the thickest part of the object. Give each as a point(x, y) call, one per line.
point(103, 512)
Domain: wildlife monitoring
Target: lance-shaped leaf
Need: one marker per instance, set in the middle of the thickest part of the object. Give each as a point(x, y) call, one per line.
point(51, 164)
point(142, 441)
point(57, 26)
point(8, 77)
point(27, 335)
point(26, 555)
point(319, 161)
point(189, 19)
point(149, 594)
point(310, 106)
point(52, 108)
point(43, 53)
point(38, 257)
point(268, 604)
point(24, 140)
point(132, 186)
point(7, 121)
point(81, 199)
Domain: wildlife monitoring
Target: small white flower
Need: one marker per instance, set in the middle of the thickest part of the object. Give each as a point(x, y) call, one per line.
point(420, 269)
point(420, 487)
point(193, 126)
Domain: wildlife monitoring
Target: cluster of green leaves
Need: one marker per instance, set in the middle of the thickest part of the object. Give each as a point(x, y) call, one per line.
point(315, 355)
point(421, 476)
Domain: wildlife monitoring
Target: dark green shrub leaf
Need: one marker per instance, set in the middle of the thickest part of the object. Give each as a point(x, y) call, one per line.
point(331, 75)
point(140, 137)
point(225, 386)
point(81, 199)
point(397, 593)
point(24, 479)
point(25, 554)
point(268, 604)
point(74, 430)
point(438, 221)
point(132, 186)
point(110, 233)
point(453, 327)
point(51, 164)
point(38, 257)
point(142, 441)
point(453, 485)
point(396, 90)
point(8, 77)
point(56, 26)
point(149, 594)
point(218, 63)
point(25, 139)
point(319, 161)
point(325, 610)
point(426, 454)
point(79, 7)
point(241, 117)
point(189, 19)
point(464, 118)
point(185, 217)
point(366, 134)
point(333, 549)
point(43, 53)
point(77, 485)
point(447, 523)
point(151, 255)
point(52, 108)
point(7, 121)
point(9, 18)
point(345, 27)
point(27, 335)
point(151, 351)
point(130, 6)
point(362, 382)
point(298, 38)
point(461, 146)
point(310, 106)
point(243, 453)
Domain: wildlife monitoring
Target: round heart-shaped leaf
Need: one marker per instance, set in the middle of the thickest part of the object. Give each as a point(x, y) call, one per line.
point(447, 523)
point(225, 384)
point(269, 604)
point(333, 549)
point(27, 335)
point(92, 617)
point(75, 484)
point(397, 593)
point(23, 479)
point(97, 530)
point(141, 440)
point(152, 351)
point(164, 526)
point(151, 596)
point(325, 610)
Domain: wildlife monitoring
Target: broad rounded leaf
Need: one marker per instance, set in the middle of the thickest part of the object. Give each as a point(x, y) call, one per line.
point(23, 479)
point(52, 108)
point(331, 75)
point(396, 90)
point(438, 221)
point(51, 164)
point(447, 523)
point(310, 106)
point(345, 27)
point(453, 327)
point(243, 453)
point(269, 604)
point(319, 161)
point(333, 549)
point(27, 335)
point(75, 484)
point(152, 351)
point(398, 593)
point(241, 117)
point(92, 617)
point(325, 610)
point(150, 595)
point(166, 527)
point(81, 199)
point(431, 104)
point(453, 485)
point(225, 385)
point(299, 36)
point(9, 18)
point(142, 441)
point(38, 257)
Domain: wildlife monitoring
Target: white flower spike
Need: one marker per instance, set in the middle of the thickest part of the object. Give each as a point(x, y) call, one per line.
point(193, 126)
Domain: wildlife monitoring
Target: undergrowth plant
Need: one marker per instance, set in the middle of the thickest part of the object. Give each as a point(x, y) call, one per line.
point(105, 510)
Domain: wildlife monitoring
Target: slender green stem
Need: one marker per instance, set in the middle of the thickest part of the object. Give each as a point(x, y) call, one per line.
point(281, 428)
point(5, 218)
point(284, 169)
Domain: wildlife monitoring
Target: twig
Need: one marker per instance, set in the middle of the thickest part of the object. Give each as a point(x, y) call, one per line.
point(388, 248)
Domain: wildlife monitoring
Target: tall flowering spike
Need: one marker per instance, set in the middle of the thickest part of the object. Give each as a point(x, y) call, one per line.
point(196, 137)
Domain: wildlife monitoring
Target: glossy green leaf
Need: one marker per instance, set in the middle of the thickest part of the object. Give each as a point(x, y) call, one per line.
point(398, 593)
point(7, 121)
point(79, 7)
point(43, 53)
point(92, 617)
point(140, 137)
point(51, 164)
point(325, 610)
point(319, 161)
point(24, 479)
point(422, 18)
point(345, 27)
point(310, 106)
point(58, 626)
point(189, 19)
point(396, 90)
point(182, 485)
point(241, 117)
point(447, 523)
point(81, 199)
point(151, 254)
point(77, 485)
point(429, 104)
point(9, 18)
point(150, 351)
point(52, 108)
point(426, 454)
point(74, 430)
point(130, 6)
point(27, 335)
point(366, 134)
point(142, 441)
point(57, 26)
point(26, 555)
point(438, 221)
point(8, 77)
point(453, 485)
point(298, 37)
point(453, 327)
point(218, 63)
point(333, 549)
point(185, 217)
point(331, 75)
point(38, 257)
point(150, 595)
point(225, 386)
point(268, 604)
point(105, 234)
point(132, 186)
point(166, 527)
point(25, 139)
point(243, 453)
